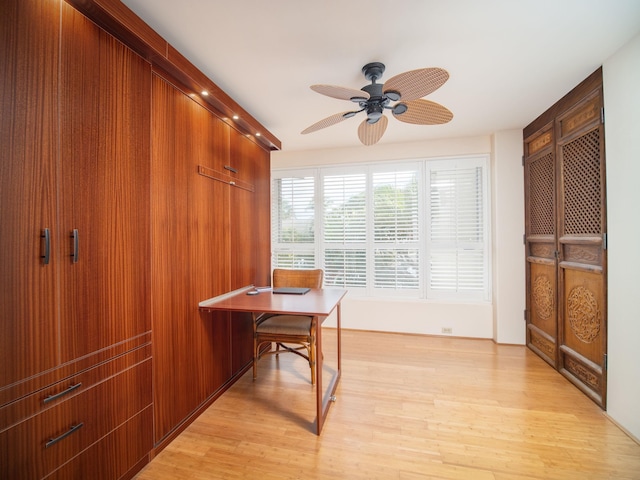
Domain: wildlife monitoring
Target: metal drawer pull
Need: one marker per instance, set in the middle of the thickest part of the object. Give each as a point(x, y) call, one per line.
point(51, 398)
point(53, 441)
point(74, 235)
point(47, 246)
point(231, 169)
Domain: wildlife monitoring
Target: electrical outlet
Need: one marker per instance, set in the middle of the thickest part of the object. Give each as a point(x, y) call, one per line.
point(447, 330)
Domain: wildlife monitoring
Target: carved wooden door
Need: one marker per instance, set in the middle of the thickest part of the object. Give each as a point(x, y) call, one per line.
point(566, 241)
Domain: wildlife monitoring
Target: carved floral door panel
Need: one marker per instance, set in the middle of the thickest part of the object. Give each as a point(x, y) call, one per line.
point(581, 242)
point(566, 240)
point(542, 327)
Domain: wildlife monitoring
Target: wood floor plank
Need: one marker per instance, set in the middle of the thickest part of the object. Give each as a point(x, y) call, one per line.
point(408, 408)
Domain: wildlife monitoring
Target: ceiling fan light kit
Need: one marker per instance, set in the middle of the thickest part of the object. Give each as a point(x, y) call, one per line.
point(407, 88)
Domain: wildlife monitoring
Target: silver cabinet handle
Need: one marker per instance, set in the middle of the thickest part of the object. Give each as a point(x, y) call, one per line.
point(53, 441)
point(74, 254)
point(51, 398)
point(47, 246)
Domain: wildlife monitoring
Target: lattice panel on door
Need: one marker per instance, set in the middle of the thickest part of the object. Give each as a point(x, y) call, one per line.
point(582, 188)
point(541, 196)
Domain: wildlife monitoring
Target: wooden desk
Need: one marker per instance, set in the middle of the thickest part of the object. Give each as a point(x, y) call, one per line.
point(317, 303)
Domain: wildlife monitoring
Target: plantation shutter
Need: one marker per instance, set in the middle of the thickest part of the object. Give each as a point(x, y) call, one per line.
point(456, 229)
point(396, 230)
point(345, 230)
point(292, 216)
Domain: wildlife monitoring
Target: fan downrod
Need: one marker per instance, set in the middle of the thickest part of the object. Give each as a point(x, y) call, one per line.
point(373, 71)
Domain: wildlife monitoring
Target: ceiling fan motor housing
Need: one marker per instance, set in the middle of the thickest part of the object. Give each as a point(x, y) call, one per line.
point(376, 102)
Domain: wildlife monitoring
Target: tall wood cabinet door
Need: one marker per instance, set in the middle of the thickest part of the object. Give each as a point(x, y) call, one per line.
point(250, 209)
point(190, 252)
point(249, 212)
point(565, 216)
point(105, 170)
point(172, 335)
point(209, 242)
point(29, 33)
point(262, 200)
point(540, 240)
point(582, 254)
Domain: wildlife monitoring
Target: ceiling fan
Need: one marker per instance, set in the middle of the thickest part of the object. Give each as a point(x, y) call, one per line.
point(407, 89)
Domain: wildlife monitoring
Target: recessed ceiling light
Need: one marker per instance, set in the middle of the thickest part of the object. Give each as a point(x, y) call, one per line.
point(257, 134)
point(205, 93)
point(235, 117)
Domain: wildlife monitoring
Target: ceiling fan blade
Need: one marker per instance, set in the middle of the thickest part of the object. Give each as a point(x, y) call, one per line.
point(371, 133)
point(416, 83)
point(424, 112)
point(326, 122)
point(342, 93)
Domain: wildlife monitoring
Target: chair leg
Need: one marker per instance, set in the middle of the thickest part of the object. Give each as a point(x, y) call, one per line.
point(255, 358)
point(312, 360)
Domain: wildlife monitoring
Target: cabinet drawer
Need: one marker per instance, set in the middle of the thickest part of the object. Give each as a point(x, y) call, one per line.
point(49, 379)
point(18, 411)
point(38, 445)
point(114, 455)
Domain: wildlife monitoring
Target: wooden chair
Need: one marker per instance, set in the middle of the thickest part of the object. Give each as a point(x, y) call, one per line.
point(288, 329)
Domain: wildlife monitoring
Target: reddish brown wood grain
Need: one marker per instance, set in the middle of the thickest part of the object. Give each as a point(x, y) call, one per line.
point(29, 34)
point(100, 409)
point(105, 158)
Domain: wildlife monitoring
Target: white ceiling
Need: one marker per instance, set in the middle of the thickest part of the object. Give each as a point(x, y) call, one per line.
point(508, 60)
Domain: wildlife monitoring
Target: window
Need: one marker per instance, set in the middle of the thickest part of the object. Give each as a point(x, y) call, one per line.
point(415, 229)
point(396, 230)
point(457, 244)
point(293, 217)
point(344, 229)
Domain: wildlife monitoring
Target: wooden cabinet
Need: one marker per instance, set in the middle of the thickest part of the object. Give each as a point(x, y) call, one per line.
point(51, 429)
point(29, 336)
point(566, 228)
point(189, 253)
point(250, 236)
point(204, 243)
point(111, 214)
point(104, 195)
point(74, 200)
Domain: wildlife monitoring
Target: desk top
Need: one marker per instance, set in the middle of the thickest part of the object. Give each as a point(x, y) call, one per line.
point(317, 302)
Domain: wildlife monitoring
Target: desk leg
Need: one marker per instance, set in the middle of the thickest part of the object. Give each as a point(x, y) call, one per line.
point(323, 404)
point(319, 390)
point(255, 346)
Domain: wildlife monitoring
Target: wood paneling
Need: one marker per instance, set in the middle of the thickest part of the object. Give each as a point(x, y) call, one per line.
point(97, 411)
point(191, 218)
point(28, 156)
point(173, 330)
point(262, 201)
point(75, 158)
point(120, 454)
point(38, 401)
point(105, 158)
point(152, 236)
point(204, 217)
point(250, 256)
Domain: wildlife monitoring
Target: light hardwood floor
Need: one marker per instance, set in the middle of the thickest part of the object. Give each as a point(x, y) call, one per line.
point(408, 407)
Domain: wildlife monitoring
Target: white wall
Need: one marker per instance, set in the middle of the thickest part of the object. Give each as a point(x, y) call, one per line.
point(507, 249)
point(622, 142)
point(430, 317)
